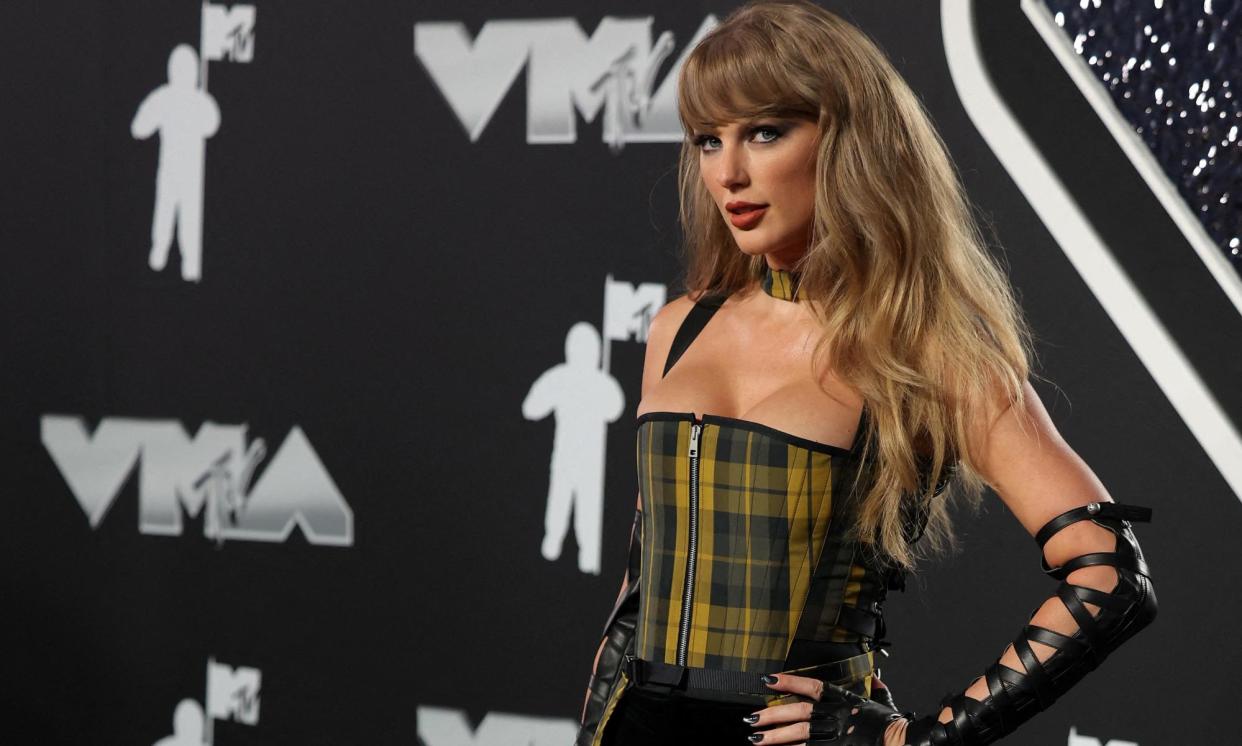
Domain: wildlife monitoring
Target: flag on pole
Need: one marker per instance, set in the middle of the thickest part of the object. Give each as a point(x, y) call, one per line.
point(232, 693)
point(628, 309)
point(227, 33)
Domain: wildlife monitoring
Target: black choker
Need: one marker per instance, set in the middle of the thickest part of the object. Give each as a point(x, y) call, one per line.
point(782, 284)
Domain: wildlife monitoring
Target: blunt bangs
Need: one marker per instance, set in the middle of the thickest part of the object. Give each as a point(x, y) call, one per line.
point(740, 75)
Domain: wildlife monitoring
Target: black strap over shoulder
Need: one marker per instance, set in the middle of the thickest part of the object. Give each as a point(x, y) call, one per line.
point(704, 308)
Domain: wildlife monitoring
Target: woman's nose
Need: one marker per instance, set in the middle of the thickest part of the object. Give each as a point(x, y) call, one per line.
point(731, 168)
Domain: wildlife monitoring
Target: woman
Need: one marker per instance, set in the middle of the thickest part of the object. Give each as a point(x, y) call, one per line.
point(848, 346)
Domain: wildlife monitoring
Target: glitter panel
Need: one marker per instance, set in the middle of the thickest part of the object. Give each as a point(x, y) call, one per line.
point(1173, 69)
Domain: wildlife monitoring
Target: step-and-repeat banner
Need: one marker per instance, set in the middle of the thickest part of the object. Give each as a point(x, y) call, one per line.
point(323, 325)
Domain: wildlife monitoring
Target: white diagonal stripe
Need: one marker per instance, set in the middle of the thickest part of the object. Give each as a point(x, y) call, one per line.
point(1123, 303)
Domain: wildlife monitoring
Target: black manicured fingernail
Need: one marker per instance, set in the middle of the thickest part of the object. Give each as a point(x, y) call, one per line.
point(751, 718)
point(755, 737)
point(768, 678)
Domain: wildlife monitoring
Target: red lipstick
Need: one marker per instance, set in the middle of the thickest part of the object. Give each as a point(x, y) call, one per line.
point(745, 214)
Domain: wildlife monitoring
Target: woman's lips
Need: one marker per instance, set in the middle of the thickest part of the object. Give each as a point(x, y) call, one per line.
point(747, 217)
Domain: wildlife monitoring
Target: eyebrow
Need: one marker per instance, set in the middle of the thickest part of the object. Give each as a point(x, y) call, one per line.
point(743, 123)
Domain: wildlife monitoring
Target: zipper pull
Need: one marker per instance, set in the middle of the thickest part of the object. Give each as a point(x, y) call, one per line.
point(695, 429)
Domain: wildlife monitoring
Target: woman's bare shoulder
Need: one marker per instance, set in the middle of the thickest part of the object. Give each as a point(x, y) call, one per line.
point(666, 321)
point(660, 335)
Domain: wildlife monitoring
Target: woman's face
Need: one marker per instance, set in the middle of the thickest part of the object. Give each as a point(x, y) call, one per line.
point(768, 162)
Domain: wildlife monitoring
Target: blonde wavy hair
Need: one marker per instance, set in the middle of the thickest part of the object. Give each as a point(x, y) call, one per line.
point(916, 313)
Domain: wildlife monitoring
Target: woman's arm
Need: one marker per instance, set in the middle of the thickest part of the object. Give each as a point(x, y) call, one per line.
point(1106, 596)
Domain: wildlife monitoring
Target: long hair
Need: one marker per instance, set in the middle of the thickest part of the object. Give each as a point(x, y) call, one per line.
point(915, 312)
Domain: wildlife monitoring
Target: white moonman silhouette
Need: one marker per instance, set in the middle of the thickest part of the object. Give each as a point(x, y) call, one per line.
point(584, 399)
point(185, 117)
point(187, 725)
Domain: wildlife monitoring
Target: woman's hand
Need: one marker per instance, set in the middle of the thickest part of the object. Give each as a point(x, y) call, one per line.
point(896, 733)
point(833, 715)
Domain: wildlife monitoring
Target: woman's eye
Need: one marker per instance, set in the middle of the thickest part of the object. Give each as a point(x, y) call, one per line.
point(701, 140)
point(771, 130)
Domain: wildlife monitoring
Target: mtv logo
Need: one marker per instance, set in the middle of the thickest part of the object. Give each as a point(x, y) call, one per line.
point(1076, 739)
point(628, 309)
point(228, 33)
point(233, 693)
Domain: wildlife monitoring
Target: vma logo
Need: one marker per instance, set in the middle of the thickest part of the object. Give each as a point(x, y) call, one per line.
point(211, 473)
point(613, 71)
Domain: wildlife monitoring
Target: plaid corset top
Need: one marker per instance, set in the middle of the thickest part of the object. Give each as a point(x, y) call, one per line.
point(745, 547)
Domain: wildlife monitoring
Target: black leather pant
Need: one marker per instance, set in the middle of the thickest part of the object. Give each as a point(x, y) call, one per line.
point(643, 718)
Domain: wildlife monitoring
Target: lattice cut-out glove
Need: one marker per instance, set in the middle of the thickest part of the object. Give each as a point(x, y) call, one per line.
point(618, 640)
point(1016, 696)
point(843, 718)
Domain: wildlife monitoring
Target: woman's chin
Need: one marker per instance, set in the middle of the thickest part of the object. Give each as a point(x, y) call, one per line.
point(749, 242)
point(752, 245)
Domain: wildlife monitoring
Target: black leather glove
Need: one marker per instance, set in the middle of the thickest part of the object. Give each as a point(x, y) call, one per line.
point(843, 718)
point(1016, 696)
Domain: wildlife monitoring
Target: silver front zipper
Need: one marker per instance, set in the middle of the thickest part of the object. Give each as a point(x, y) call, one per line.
point(683, 637)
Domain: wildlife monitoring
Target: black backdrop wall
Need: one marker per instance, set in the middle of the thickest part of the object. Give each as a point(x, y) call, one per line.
point(300, 493)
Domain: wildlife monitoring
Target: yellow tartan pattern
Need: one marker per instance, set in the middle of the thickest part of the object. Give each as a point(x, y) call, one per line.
point(766, 517)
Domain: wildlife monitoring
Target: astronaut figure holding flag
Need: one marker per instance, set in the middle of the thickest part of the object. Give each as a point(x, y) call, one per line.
point(185, 115)
point(585, 398)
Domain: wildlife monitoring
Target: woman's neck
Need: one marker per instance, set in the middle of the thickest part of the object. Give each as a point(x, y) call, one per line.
point(782, 284)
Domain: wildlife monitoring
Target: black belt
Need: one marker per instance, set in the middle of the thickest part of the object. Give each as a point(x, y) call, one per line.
point(669, 677)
